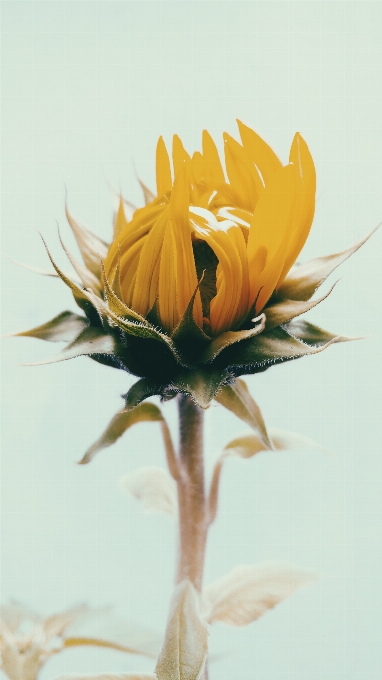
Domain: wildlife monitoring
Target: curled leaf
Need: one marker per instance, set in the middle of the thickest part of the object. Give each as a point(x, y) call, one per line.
point(184, 650)
point(237, 398)
point(154, 487)
point(248, 591)
point(118, 425)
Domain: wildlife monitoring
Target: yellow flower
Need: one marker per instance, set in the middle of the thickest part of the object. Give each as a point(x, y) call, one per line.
point(243, 230)
point(199, 287)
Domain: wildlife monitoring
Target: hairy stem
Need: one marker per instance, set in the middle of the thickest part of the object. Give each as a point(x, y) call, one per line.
point(193, 511)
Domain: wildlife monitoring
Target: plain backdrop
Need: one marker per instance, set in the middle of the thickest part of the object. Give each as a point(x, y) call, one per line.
point(88, 87)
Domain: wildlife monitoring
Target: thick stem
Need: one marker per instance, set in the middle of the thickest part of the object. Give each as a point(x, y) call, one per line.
point(193, 511)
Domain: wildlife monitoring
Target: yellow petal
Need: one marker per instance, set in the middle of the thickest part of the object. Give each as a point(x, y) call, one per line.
point(186, 281)
point(120, 221)
point(146, 281)
point(226, 239)
point(133, 231)
point(243, 177)
point(305, 200)
point(259, 152)
point(179, 154)
point(163, 169)
point(269, 233)
point(212, 166)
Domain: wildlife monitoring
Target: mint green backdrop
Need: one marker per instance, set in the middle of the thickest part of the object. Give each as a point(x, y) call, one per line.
point(87, 89)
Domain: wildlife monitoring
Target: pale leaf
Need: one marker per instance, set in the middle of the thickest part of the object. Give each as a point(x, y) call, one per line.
point(121, 422)
point(237, 398)
point(248, 445)
point(248, 591)
point(184, 650)
point(56, 624)
point(154, 487)
point(114, 632)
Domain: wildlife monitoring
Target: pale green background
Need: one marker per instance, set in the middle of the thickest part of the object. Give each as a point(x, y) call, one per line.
point(87, 89)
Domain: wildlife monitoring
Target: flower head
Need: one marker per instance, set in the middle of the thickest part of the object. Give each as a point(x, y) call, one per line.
point(235, 234)
point(199, 286)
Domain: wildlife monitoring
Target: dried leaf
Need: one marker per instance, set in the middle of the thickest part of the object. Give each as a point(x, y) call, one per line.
point(118, 425)
point(302, 282)
point(184, 650)
point(248, 445)
point(248, 591)
point(237, 398)
point(286, 310)
point(64, 327)
point(92, 248)
point(230, 338)
point(90, 341)
point(154, 487)
point(109, 630)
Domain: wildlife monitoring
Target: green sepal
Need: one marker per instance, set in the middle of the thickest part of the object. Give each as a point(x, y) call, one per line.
point(188, 337)
point(91, 341)
point(281, 312)
point(237, 399)
point(92, 248)
point(202, 385)
point(141, 390)
point(303, 281)
point(63, 327)
point(258, 353)
point(87, 278)
point(81, 296)
point(230, 338)
point(117, 306)
point(144, 331)
point(118, 425)
point(313, 335)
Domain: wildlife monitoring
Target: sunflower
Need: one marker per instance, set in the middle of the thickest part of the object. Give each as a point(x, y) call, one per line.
point(201, 285)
